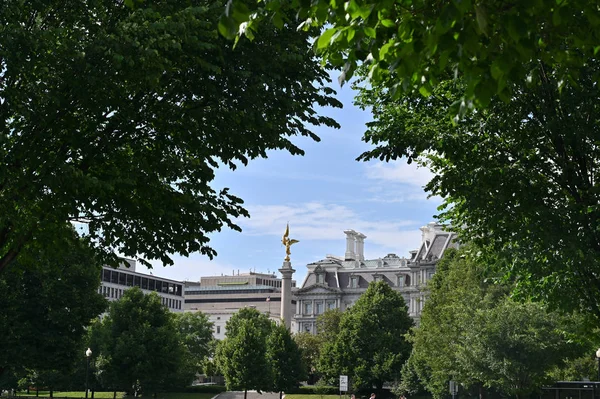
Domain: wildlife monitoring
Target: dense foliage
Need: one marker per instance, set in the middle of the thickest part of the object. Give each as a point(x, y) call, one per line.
point(370, 347)
point(47, 299)
point(257, 354)
point(118, 118)
point(138, 346)
point(243, 351)
point(412, 45)
point(285, 359)
point(472, 332)
point(519, 179)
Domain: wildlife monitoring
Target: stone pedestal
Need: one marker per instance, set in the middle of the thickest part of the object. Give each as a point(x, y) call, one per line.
point(286, 293)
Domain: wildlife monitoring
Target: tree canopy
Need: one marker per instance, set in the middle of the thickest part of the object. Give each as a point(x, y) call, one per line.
point(196, 334)
point(370, 347)
point(117, 117)
point(139, 345)
point(47, 299)
point(285, 359)
point(472, 332)
point(518, 178)
point(411, 45)
point(241, 356)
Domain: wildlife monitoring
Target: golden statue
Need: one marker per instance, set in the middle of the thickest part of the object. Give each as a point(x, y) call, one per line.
point(287, 242)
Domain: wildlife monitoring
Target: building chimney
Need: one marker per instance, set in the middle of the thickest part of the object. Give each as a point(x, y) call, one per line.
point(350, 238)
point(360, 246)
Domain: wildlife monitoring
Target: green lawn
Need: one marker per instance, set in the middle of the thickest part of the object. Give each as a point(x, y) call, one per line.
point(120, 395)
point(97, 395)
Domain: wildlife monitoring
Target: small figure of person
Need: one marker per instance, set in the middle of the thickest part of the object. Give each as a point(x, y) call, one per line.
point(372, 396)
point(402, 396)
point(352, 396)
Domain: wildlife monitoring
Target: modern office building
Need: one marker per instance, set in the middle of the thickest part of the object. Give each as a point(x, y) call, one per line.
point(115, 282)
point(220, 297)
point(337, 282)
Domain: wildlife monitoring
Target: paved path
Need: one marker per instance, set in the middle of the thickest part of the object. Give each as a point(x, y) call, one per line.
point(251, 395)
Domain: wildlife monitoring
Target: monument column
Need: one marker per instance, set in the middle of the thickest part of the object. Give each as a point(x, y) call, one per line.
point(286, 293)
point(286, 280)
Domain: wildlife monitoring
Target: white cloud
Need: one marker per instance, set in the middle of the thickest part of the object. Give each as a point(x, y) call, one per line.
point(320, 221)
point(188, 269)
point(400, 172)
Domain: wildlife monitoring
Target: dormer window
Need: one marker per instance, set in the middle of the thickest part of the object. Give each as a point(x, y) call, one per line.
point(354, 282)
point(320, 274)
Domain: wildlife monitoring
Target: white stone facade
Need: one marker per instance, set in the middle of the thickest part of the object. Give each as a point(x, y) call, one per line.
point(336, 283)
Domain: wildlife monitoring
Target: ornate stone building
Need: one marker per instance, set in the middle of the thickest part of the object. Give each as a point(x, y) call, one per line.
point(336, 282)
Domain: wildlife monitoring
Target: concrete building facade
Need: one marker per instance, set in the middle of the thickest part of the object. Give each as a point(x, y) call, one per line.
point(337, 282)
point(114, 282)
point(219, 297)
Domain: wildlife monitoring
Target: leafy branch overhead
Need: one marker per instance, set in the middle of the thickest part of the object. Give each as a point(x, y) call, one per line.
point(411, 45)
point(118, 116)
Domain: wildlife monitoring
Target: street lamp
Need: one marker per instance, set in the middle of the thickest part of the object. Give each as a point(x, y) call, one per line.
point(88, 354)
point(598, 358)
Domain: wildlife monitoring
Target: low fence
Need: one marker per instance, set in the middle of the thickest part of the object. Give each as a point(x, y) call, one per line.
point(572, 390)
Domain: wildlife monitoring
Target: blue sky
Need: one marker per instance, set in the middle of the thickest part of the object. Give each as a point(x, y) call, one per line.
point(320, 194)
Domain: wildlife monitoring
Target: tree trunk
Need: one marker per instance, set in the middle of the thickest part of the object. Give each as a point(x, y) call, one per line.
point(93, 394)
point(114, 394)
point(245, 394)
point(280, 394)
point(51, 393)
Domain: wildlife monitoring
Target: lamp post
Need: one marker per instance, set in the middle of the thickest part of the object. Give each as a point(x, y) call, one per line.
point(88, 354)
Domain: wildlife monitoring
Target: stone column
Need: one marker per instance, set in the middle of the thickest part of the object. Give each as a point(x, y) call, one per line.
point(360, 246)
point(350, 238)
point(286, 293)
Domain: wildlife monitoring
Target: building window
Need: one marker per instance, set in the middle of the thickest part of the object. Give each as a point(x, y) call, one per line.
point(401, 280)
point(354, 282)
point(307, 307)
point(318, 307)
point(218, 329)
point(307, 327)
point(376, 278)
point(407, 280)
point(320, 278)
point(330, 305)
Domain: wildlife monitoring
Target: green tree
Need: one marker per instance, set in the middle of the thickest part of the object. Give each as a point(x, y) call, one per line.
point(471, 331)
point(328, 328)
point(196, 332)
point(118, 118)
point(310, 348)
point(328, 325)
point(518, 179)
point(370, 347)
point(512, 347)
point(241, 356)
point(48, 298)
point(414, 44)
point(285, 359)
point(141, 348)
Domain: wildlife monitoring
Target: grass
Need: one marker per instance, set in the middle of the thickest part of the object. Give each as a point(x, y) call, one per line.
point(120, 395)
point(97, 395)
